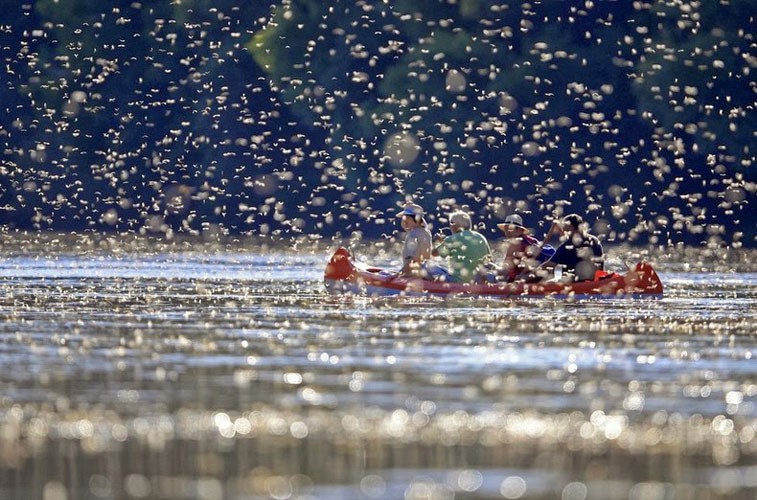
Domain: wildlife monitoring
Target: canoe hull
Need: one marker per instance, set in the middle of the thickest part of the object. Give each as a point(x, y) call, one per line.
point(345, 276)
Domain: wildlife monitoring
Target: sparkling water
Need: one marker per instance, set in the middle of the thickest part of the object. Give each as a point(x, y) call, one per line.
point(207, 371)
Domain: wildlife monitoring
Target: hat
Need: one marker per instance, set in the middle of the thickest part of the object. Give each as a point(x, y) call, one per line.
point(512, 220)
point(412, 210)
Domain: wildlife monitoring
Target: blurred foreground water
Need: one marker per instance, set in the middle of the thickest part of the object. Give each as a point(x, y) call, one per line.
point(226, 372)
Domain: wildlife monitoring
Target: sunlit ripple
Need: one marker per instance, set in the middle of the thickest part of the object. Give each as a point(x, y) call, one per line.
point(259, 362)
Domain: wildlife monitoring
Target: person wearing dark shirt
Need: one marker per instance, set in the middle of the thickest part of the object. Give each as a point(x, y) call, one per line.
point(580, 254)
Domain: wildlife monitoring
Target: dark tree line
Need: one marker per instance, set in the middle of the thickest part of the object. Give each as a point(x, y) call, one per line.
point(303, 116)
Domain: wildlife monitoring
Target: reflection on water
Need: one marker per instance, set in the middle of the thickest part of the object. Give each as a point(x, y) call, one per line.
point(207, 373)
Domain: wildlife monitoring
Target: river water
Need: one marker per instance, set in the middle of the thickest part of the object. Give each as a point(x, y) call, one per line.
point(227, 372)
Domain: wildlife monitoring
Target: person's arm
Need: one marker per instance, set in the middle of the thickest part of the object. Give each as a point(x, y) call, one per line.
point(440, 249)
point(553, 261)
point(554, 229)
point(548, 265)
point(597, 248)
point(405, 270)
point(599, 254)
point(489, 254)
point(411, 265)
point(409, 255)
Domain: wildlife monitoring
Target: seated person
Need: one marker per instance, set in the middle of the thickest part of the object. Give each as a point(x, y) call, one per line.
point(417, 248)
point(523, 252)
point(580, 253)
point(466, 250)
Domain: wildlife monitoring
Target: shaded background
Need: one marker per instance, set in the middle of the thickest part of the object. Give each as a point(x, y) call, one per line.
point(309, 117)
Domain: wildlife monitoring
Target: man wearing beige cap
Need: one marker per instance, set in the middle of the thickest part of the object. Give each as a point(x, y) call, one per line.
point(417, 248)
point(523, 250)
point(466, 250)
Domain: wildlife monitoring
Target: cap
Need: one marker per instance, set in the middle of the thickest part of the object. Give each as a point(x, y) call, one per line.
point(412, 210)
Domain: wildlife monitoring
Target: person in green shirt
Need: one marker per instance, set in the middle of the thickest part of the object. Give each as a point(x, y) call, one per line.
point(466, 250)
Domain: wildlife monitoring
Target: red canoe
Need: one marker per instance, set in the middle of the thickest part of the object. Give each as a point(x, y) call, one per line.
point(344, 275)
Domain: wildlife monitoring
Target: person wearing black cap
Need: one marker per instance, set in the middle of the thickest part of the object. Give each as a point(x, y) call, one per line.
point(580, 253)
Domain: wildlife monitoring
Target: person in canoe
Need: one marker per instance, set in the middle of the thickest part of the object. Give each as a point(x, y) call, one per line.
point(524, 252)
point(466, 250)
point(580, 253)
point(417, 248)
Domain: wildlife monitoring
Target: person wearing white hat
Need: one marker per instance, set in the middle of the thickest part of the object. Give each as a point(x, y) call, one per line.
point(417, 248)
point(523, 250)
point(466, 250)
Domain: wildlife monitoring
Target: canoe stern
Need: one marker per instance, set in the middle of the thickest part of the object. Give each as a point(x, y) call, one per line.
point(644, 279)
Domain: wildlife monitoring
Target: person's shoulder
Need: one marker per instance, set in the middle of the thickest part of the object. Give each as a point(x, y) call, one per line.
point(477, 235)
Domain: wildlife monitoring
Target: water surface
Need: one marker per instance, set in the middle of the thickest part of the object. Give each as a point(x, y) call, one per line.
point(199, 371)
